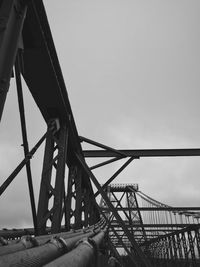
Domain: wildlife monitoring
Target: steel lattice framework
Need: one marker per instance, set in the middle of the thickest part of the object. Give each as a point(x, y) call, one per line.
point(69, 221)
point(164, 233)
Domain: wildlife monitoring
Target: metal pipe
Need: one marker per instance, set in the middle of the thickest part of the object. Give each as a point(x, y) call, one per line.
point(83, 255)
point(29, 242)
point(17, 233)
point(41, 255)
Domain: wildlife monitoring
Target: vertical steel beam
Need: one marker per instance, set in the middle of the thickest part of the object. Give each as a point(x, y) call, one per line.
point(83, 210)
point(140, 217)
point(45, 181)
point(12, 15)
point(191, 247)
point(174, 247)
point(70, 195)
point(24, 138)
point(170, 248)
point(65, 206)
point(88, 209)
point(130, 218)
point(179, 246)
point(183, 239)
point(197, 236)
point(60, 176)
point(79, 199)
point(56, 142)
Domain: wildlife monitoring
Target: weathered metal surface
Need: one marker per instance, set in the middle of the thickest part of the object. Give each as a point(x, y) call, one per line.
point(12, 15)
point(138, 153)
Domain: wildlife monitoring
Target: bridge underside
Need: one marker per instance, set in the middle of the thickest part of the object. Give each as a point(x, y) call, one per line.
point(70, 227)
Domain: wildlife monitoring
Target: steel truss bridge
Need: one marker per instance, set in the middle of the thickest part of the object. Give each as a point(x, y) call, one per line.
point(69, 227)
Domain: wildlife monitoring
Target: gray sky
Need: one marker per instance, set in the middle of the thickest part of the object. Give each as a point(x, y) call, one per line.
point(132, 72)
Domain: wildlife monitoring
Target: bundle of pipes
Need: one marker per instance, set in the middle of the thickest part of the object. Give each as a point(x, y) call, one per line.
point(16, 234)
point(41, 250)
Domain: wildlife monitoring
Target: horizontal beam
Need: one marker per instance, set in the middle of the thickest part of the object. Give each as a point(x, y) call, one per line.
point(177, 209)
point(144, 153)
point(161, 225)
point(136, 232)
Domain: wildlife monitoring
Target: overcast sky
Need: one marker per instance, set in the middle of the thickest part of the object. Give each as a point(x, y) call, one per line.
point(131, 69)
